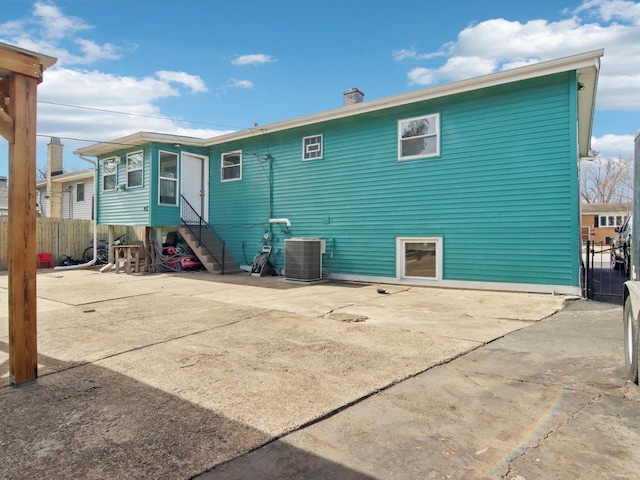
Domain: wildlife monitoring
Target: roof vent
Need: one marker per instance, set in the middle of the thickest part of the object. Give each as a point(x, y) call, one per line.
point(353, 96)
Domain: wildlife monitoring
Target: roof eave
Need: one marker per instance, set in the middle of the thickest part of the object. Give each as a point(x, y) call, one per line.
point(588, 60)
point(587, 76)
point(584, 62)
point(136, 140)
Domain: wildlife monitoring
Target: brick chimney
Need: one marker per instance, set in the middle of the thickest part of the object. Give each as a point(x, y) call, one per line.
point(353, 96)
point(54, 157)
point(53, 196)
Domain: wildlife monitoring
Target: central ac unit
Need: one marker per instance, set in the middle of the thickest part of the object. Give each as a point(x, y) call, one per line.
point(303, 259)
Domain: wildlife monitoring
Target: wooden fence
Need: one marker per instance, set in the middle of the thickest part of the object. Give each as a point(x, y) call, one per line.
point(62, 236)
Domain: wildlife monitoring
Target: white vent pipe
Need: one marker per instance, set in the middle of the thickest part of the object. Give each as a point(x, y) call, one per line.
point(280, 220)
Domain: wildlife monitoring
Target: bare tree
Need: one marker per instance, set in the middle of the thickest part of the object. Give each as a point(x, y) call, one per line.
point(41, 173)
point(607, 180)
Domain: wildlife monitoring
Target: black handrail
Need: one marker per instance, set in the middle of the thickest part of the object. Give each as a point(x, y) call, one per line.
point(206, 236)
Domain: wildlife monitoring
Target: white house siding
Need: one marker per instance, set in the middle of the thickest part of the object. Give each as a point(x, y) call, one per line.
point(71, 208)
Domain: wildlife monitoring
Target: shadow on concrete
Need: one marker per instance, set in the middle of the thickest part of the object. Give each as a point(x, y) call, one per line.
point(282, 461)
point(270, 282)
point(89, 422)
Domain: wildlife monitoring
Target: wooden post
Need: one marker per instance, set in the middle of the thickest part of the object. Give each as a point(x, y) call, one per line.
point(23, 352)
point(20, 73)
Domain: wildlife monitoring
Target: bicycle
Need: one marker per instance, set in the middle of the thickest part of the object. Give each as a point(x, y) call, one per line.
point(69, 260)
point(102, 252)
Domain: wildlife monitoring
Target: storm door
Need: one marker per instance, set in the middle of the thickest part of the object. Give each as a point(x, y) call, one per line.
point(194, 183)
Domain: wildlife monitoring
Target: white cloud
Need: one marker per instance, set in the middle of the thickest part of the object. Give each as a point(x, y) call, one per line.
point(92, 52)
point(498, 44)
point(609, 10)
point(193, 82)
point(253, 59)
point(54, 33)
point(412, 53)
point(617, 146)
point(107, 111)
point(51, 31)
point(54, 24)
point(235, 83)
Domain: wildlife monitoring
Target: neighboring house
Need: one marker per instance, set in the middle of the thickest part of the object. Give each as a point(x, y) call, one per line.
point(74, 192)
point(64, 195)
point(599, 220)
point(472, 184)
point(4, 197)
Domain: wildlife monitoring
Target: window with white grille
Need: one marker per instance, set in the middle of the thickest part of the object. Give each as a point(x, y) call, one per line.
point(312, 148)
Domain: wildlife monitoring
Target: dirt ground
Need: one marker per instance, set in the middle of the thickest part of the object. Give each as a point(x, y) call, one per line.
point(169, 375)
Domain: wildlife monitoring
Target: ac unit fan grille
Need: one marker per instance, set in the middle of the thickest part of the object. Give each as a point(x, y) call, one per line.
point(303, 259)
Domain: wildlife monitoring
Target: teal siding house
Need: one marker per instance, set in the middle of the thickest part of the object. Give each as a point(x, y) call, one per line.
point(472, 184)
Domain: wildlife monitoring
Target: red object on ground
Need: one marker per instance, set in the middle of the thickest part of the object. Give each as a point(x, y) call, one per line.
point(46, 260)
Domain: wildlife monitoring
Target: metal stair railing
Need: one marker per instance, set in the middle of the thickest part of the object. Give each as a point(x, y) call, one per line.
point(206, 237)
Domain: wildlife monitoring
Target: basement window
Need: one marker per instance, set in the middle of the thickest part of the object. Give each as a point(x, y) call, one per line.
point(231, 166)
point(312, 148)
point(419, 258)
point(419, 137)
point(134, 169)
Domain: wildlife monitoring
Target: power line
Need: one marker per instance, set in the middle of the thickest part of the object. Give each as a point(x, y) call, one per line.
point(85, 140)
point(158, 117)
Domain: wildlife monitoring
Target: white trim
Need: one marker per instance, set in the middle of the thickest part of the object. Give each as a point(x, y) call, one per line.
point(115, 174)
point(615, 216)
point(137, 140)
point(175, 179)
point(84, 190)
point(203, 178)
point(400, 257)
point(140, 169)
point(583, 63)
point(222, 167)
point(319, 145)
point(436, 135)
point(463, 284)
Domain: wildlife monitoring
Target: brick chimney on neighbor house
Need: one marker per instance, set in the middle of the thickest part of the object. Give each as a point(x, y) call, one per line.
point(53, 198)
point(353, 96)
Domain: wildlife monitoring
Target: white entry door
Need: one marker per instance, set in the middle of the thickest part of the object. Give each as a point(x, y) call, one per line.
point(194, 183)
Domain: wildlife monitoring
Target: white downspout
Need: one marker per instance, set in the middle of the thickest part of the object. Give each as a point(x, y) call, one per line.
point(95, 221)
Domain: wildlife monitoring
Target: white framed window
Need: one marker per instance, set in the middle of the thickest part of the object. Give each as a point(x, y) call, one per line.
point(312, 147)
point(135, 161)
point(419, 137)
point(231, 166)
point(110, 173)
point(168, 178)
point(611, 220)
point(79, 192)
point(419, 257)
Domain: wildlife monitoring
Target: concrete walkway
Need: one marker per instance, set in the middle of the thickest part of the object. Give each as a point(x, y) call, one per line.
point(544, 402)
point(170, 376)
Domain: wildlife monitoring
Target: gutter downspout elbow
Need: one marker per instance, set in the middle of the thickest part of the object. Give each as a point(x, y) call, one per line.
point(280, 220)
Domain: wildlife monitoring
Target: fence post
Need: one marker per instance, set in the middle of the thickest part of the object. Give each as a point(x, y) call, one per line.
point(587, 272)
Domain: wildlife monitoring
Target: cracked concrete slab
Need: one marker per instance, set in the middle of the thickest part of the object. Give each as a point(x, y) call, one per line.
point(169, 376)
point(547, 401)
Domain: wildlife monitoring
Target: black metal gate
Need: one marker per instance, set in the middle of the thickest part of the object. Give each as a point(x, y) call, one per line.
point(602, 276)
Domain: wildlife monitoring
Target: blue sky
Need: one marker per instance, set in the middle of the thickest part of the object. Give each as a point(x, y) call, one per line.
point(203, 68)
